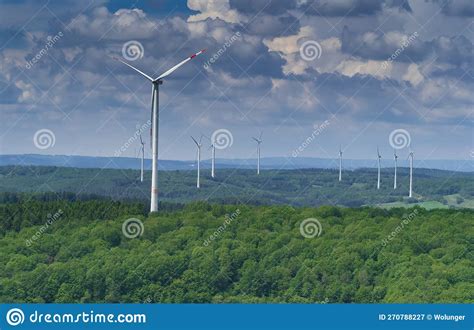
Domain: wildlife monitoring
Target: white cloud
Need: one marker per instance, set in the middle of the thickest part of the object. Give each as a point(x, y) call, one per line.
point(413, 75)
point(213, 9)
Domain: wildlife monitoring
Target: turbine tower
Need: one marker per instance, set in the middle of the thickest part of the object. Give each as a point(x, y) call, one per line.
point(395, 157)
point(259, 141)
point(213, 161)
point(340, 163)
point(143, 157)
point(155, 123)
point(378, 168)
point(410, 193)
point(198, 145)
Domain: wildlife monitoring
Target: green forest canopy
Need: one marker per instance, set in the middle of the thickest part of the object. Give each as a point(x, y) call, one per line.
point(364, 255)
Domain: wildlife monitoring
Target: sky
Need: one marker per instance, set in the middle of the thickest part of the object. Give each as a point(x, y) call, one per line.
point(311, 76)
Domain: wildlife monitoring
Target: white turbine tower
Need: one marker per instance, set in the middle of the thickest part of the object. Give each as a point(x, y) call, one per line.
point(395, 157)
point(142, 158)
point(340, 163)
point(259, 141)
point(155, 123)
point(198, 145)
point(410, 193)
point(378, 168)
point(213, 161)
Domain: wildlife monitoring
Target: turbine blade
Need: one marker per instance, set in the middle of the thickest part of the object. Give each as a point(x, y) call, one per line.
point(195, 141)
point(170, 71)
point(134, 68)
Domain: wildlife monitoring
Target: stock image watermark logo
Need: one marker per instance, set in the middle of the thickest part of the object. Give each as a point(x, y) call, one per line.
point(215, 56)
point(51, 41)
point(399, 138)
point(222, 138)
point(133, 228)
point(317, 129)
point(405, 43)
point(229, 218)
point(310, 228)
point(310, 50)
point(132, 50)
point(51, 219)
point(44, 139)
point(15, 316)
point(406, 219)
point(132, 139)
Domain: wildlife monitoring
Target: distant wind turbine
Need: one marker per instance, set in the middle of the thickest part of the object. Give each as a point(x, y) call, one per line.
point(340, 163)
point(410, 156)
point(378, 168)
point(155, 123)
point(142, 147)
point(213, 161)
point(259, 141)
point(395, 173)
point(198, 145)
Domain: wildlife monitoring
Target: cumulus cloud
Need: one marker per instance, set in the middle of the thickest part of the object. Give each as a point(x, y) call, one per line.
point(213, 9)
point(260, 80)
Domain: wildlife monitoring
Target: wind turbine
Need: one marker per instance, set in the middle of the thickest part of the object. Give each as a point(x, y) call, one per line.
point(259, 141)
point(143, 157)
point(340, 163)
point(378, 168)
point(410, 156)
point(198, 145)
point(213, 161)
point(395, 173)
point(155, 122)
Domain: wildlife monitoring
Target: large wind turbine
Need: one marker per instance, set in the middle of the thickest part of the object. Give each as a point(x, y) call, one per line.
point(378, 168)
point(155, 123)
point(259, 141)
point(340, 163)
point(410, 193)
point(198, 145)
point(142, 158)
point(395, 157)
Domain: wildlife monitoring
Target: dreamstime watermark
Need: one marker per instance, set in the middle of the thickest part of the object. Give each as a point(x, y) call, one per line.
point(222, 138)
point(132, 228)
point(215, 56)
point(406, 219)
point(51, 218)
point(310, 228)
point(133, 138)
point(399, 138)
point(310, 50)
point(405, 43)
point(44, 139)
point(51, 41)
point(317, 130)
point(229, 218)
point(132, 50)
point(15, 316)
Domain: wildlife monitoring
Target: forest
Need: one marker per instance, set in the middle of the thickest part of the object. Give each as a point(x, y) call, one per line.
point(305, 187)
point(63, 250)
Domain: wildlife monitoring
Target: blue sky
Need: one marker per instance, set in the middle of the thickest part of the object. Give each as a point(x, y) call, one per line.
point(377, 66)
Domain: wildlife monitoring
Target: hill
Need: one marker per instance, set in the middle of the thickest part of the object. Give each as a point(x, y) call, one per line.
point(275, 163)
point(305, 187)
